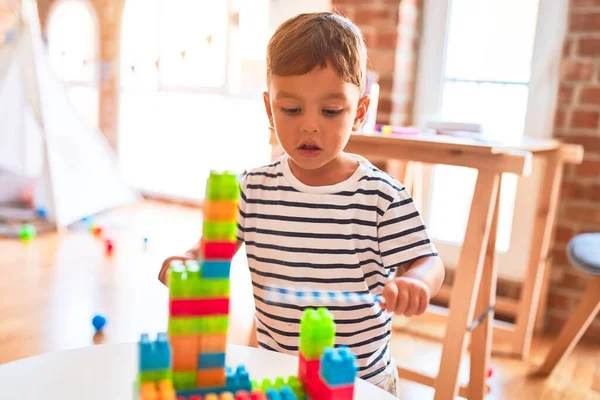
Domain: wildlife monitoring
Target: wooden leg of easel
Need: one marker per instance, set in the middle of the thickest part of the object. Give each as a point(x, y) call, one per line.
point(578, 322)
point(481, 337)
point(466, 283)
point(540, 248)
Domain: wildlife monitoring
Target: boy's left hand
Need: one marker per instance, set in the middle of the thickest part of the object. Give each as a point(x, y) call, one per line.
point(406, 296)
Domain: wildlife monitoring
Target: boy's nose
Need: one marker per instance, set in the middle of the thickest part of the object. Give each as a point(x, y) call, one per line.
point(310, 129)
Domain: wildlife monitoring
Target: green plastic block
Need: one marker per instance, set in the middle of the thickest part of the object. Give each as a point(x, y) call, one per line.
point(184, 380)
point(219, 231)
point(155, 376)
point(291, 381)
point(222, 186)
point(198, 325)
point(317, 332)
point(185, 282)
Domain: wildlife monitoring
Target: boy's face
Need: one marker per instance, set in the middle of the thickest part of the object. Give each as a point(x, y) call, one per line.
point(314, 115)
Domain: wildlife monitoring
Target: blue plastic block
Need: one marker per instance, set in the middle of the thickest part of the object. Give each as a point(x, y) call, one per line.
point(238, 379)
point(154, 355)
point(272, 394)
point(284, 393)
point(287, 393)
point(211, 360)
point(215, 269)
point(338, 366)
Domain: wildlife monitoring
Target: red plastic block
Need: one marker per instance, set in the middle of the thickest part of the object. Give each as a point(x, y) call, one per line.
point(308, 370)
point(257, 395)
point(217, 250)
point(198, 307)
point(318, 390)
point(242, 395)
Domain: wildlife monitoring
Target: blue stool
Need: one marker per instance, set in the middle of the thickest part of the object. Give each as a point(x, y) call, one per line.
point(583, 252)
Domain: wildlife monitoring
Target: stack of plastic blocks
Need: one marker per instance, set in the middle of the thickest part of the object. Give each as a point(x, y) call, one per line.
point(220, 225)
point(154, 379)
point(326, 372)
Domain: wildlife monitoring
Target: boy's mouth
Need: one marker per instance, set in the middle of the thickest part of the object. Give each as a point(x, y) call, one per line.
point(309, 149)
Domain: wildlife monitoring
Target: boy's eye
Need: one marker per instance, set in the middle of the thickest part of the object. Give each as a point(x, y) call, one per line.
point(291, 111)
point(330, 112)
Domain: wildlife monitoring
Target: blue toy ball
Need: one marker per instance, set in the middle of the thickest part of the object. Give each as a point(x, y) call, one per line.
point(99, 321)
point(41, 212)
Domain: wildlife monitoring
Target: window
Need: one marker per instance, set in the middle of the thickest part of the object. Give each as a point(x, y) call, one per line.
point(478, 61)
point(73, 57)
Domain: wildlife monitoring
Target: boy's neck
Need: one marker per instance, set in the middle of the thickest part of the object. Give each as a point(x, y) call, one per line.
point(334, 172)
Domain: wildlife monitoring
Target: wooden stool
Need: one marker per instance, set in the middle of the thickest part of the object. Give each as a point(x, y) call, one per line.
point(584, 253)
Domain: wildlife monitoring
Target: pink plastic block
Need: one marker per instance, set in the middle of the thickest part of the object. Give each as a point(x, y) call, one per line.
point(198, 307)
point(308, 370)
point(218, 250)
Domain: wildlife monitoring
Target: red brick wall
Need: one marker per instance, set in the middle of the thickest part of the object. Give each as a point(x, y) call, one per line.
point(391, 29)
point(109, 14)
point(577, 121)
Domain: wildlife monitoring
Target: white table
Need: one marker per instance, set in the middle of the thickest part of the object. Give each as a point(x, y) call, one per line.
point(108, 371)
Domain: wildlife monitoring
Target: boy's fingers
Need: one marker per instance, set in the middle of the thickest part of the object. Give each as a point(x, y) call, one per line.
point(413, 304)
point(402, 301)
point(390, 294)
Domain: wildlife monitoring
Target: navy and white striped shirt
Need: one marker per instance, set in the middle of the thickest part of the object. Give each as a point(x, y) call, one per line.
point(351, 236)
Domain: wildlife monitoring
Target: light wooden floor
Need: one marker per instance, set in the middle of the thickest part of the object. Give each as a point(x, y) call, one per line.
point(51, 288)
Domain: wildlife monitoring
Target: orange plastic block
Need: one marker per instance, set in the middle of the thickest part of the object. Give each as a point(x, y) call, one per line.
point(212, 343)
point(220, 211)
point(164, 390)
point(184, 349)
point(211, 378)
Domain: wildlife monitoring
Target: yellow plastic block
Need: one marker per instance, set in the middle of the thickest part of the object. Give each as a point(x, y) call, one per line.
point(221, 211)
point(184, 349)
point(227, 396)
point(211, 396)
point(211, 378)
point(212, 343)
point(162, 391)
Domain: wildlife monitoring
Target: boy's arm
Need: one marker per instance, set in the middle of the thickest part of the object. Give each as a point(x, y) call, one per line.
point(191, 254)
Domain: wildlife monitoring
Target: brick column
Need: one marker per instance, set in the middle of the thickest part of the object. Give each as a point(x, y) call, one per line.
point(391, 29)
point(577, 121)
point(110, 14)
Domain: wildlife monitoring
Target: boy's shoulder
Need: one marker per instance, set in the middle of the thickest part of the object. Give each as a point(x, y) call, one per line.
point(267, 171)
point(375, 178)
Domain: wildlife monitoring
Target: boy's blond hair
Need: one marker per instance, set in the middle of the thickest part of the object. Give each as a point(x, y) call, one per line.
point(313, 40)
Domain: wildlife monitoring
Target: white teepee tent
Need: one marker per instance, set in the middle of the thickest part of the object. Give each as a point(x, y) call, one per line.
point(43, 136)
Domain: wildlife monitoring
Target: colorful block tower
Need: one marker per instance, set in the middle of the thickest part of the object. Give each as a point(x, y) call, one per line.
point(189, 363)
point(326, 372)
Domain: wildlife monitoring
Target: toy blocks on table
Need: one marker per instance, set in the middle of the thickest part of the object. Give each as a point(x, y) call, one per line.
point(317, 332)
point(211, 360)
point(154, 355)
point(338, 367)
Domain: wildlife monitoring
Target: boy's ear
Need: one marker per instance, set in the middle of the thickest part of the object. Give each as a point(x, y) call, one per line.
point(268, 108)
point(361, 112)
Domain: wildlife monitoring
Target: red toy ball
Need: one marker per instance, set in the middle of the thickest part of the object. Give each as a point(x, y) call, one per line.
point(109, 246)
